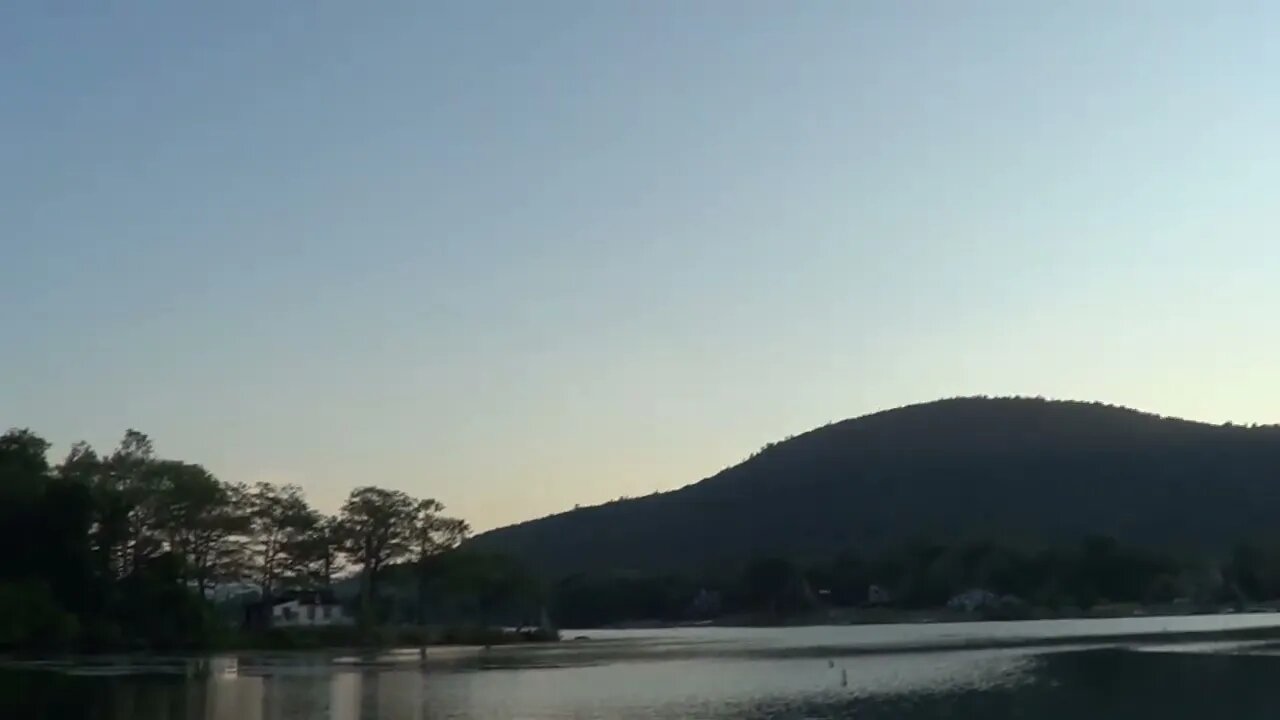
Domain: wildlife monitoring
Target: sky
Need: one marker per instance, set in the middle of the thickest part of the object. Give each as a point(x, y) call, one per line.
point(521, 256)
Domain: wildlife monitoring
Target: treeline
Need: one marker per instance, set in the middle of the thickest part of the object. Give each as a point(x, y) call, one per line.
point(122, 550)
point(927, 575)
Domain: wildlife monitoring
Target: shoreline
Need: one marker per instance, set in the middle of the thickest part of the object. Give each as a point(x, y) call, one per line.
point(254, 660)
point(840, 617)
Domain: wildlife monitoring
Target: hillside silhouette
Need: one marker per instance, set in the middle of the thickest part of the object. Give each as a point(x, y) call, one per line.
point(1015, 468)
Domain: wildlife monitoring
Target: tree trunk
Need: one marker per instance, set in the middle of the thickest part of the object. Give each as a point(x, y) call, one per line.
point(366, 598)
point(422, 595)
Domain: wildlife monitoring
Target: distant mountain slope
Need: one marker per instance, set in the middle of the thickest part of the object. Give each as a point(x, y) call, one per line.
point(1029, 468)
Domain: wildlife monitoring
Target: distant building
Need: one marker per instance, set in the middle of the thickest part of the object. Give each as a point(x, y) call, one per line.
point(307, 609)
point(298, 609)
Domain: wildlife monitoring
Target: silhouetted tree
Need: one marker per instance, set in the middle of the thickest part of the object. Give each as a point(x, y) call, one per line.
point(378, 527)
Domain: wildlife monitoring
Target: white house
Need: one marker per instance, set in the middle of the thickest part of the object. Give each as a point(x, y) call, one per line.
point(308, 609)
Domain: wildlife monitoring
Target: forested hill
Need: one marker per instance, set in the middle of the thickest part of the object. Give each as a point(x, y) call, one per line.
point(1014, 468)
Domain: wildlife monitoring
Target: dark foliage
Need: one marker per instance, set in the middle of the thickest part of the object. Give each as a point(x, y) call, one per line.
point(121, 552)
point(96, 555)
point(1046, 580)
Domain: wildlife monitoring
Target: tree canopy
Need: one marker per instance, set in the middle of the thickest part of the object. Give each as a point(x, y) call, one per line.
point(121, 550)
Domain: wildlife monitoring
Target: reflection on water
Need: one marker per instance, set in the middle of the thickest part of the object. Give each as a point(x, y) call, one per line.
point(698, 688)
point(661, 677)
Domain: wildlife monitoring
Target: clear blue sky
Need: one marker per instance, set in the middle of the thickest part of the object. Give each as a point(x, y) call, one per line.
point(523, 255)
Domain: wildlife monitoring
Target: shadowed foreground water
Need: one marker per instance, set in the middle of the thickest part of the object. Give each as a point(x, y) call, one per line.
point(802, 674)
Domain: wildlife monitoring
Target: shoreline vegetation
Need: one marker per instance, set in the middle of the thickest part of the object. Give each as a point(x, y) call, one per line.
point(130, 551)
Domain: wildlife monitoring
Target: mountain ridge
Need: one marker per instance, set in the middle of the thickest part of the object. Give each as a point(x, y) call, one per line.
point(1016, 467)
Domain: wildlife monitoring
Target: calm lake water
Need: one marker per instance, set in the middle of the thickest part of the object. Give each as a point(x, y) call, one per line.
point(1061, 669)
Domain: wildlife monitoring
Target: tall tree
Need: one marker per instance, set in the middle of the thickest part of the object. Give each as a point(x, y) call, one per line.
point(431, 535)
point(278, 514)
point(377, 528)
point(130, 495)
point(82, 464)
point(46, 571)
point(109, 507)
point(22, 455)
point(311, 556)
point(23, 474)
point(201, 520)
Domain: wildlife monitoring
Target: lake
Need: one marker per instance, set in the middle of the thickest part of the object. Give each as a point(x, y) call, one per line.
point(1121, 668)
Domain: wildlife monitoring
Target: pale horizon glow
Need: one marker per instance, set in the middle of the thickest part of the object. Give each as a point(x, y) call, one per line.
point(519, 257)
